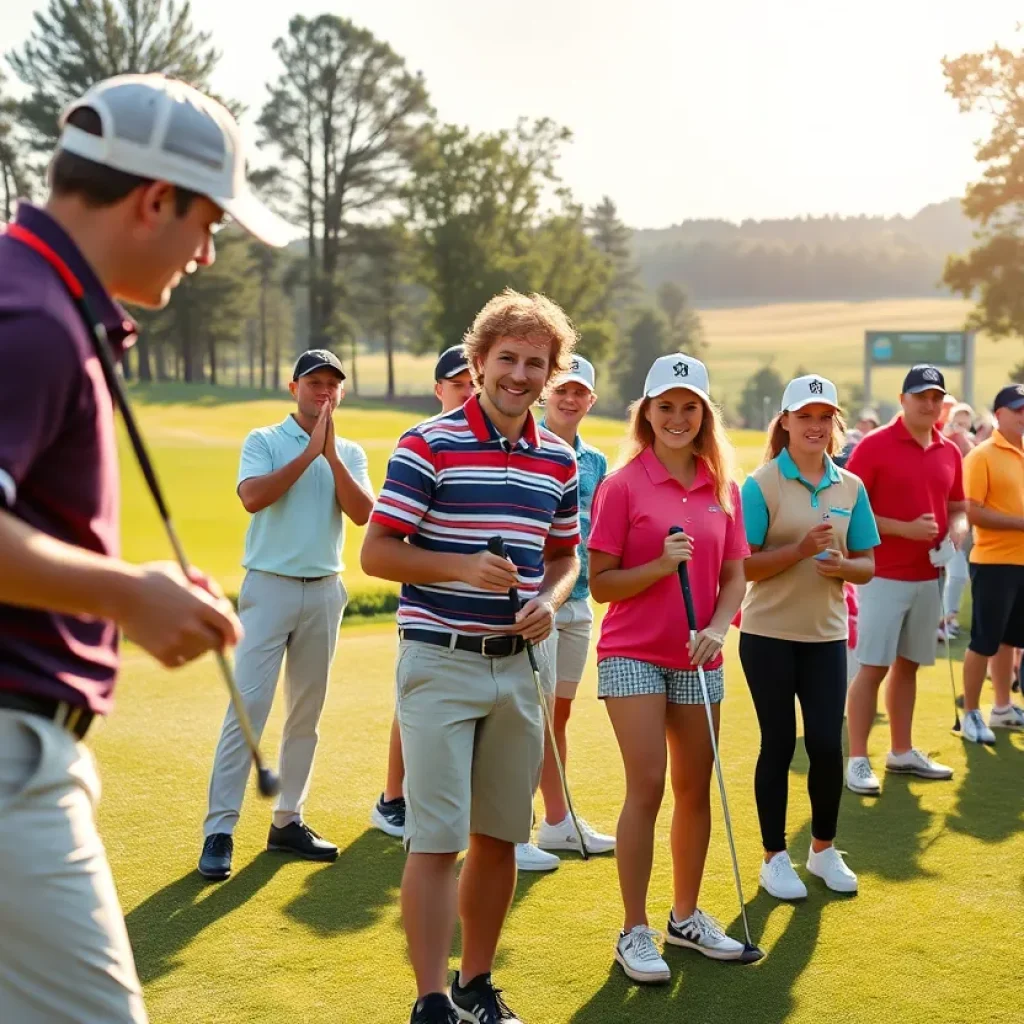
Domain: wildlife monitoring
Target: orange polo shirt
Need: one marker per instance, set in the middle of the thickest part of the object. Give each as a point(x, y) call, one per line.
point(994, 477)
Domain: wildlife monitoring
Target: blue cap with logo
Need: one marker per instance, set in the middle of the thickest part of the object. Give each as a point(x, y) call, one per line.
point(450, 363)
point(1010, 397)
point(923, 377)
point(317, 359)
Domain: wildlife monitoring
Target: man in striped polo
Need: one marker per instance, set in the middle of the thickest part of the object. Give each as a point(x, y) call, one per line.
point(472, 728)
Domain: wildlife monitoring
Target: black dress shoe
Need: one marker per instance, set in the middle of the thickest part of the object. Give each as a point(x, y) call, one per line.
point(298, 838)
point(215, 861)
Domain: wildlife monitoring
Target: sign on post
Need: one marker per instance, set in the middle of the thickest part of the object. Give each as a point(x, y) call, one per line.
point(907, 348)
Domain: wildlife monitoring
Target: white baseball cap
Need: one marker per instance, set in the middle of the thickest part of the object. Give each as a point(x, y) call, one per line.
point(581, 371)
point(809, 390)
point(157, 127)
point(677, 371)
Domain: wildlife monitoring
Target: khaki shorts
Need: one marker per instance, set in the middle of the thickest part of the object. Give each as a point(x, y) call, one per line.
point(897, 618)
point(563, 656)
point(473, 740)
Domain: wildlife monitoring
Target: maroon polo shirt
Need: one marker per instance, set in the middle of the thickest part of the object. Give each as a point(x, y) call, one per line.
point(904, 481)
point(58, 458)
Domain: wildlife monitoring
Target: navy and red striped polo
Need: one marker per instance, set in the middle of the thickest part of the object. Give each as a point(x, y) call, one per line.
point(452, 483)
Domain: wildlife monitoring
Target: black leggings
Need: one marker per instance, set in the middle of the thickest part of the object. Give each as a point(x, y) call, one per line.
point(814, 673)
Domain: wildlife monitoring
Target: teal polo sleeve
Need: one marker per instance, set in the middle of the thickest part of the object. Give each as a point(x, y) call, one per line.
point(755, 512)
point(863, 532)
point(354, 457)
point(257, 458)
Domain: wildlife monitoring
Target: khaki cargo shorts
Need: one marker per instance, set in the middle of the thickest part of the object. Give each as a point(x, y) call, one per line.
point(473, 740)
point(563, 656)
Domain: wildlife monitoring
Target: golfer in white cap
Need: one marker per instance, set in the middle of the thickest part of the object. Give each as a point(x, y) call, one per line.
point(145, 169)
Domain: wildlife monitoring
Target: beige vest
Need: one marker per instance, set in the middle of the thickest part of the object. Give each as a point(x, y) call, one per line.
point(798, 604)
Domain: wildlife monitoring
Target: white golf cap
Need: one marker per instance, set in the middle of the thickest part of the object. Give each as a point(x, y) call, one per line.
point(809, 390)
point(157, 127)
point(677, 371)
point(581, 371)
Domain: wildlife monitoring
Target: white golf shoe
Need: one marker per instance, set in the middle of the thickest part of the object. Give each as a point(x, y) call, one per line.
point(860, 778)
point(779, 878)
point(830, 867)
point(1010, 717)
point(916, 762)
point(640, 957)
point(563, 837)
point(530, 858)
point(974, 729)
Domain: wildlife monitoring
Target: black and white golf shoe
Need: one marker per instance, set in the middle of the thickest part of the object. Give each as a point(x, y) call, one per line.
point(481, 1003)
point(434, 1009)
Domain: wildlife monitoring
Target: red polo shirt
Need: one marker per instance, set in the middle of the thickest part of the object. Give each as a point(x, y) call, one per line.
point(632, 513)
point(904, 481)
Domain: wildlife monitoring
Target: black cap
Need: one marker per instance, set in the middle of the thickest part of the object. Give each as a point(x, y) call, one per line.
point(316, 359)
point(451, 361)
point(1010, 397)
point(923, 378)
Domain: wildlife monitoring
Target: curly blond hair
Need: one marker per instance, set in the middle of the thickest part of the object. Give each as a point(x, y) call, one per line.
point(514, 315)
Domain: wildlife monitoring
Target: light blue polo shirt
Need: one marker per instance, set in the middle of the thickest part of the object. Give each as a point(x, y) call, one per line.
point(302, 533)
point(862, 534)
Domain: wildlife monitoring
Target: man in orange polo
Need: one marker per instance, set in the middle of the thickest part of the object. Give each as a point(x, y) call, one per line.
point(994, 486)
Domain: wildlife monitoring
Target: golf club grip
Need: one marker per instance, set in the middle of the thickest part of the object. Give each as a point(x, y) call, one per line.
point(496, 546)
point(684, 582)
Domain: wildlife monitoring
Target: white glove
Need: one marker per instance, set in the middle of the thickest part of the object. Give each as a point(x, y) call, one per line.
point(942, 555)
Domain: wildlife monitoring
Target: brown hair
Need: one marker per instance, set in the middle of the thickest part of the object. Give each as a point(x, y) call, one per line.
point(711, 444)
point(96, 184)
point(514, 315)
point(778, 437)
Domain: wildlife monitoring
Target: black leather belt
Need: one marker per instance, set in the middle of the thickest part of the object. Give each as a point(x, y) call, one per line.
point(497, 645)
point(72, 717)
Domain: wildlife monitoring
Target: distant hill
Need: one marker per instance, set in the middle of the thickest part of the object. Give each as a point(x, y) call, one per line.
point(805, 258)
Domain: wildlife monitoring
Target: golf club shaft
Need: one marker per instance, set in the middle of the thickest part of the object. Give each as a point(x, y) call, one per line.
point(116, 388)
point(691, 624)
point(949, 648)
point(496, 545)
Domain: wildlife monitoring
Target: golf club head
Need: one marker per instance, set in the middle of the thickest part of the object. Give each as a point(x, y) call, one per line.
point(751, 954)
point(268, 782)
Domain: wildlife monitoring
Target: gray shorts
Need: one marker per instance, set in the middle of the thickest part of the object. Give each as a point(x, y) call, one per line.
point(628, 677)
point(563, 656)
point(897, 619)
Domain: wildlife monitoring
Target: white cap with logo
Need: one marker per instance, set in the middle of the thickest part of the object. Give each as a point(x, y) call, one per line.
point(809, 390)
point(581, 371)
point(160, 128)
point(677, 371)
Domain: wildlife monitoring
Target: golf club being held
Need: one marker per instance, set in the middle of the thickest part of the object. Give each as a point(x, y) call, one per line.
point(496, 546)
point(751, 953)
point(949, 648)
point(266, 779)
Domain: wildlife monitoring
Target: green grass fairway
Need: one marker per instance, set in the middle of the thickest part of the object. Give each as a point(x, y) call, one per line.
point(932, 938)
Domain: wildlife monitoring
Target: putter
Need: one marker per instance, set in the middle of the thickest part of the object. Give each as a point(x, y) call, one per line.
point(751, 953)
point(949, 651)
point(496, 546)
point(266, 779)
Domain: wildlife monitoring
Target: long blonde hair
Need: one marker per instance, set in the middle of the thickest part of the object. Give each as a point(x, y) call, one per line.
point(778, 437)
point(711, 444)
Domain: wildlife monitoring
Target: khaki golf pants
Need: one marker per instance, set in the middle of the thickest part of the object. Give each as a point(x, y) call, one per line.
point(278, 614)
point(64, 950)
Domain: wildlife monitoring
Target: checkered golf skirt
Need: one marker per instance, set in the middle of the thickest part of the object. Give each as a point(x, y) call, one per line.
point(628, 677)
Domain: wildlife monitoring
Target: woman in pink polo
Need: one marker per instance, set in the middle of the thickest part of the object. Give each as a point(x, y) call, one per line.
point(676, 472)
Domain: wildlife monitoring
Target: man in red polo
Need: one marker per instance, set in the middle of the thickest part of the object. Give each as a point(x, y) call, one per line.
point(144, 170)
point(914, 479)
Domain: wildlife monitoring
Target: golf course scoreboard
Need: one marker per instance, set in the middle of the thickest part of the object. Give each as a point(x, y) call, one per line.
point(907, 348)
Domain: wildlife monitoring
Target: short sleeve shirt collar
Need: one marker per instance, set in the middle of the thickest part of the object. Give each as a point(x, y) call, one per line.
point(484, 430)
point(789, 469)
point(658, 474)
point(121, 329)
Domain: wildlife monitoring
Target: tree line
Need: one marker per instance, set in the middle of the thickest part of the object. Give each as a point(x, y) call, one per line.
point(411, 223)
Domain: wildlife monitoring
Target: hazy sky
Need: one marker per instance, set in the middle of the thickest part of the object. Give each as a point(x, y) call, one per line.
point(680, 108)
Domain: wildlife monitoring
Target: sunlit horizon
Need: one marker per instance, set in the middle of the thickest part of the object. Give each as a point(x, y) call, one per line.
point(736, 111)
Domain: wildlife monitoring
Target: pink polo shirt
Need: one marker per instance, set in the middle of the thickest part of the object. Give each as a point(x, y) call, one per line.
point(632, 512)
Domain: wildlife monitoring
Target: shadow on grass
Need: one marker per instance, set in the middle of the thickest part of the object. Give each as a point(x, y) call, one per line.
point(166, 923)
point(722, 993)
point(990, 800)
point(355, 890)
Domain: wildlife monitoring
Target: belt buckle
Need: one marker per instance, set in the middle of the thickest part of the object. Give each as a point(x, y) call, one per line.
point(67, 716)
point(499, 638)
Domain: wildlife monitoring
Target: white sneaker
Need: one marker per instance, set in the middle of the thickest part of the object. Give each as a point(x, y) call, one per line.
point(779, 877)
point(563, 837)
point(639, 956)
point(529, 858)
point(975, 730)
point(860, 778)
point(942, 635)
point(829, 866)
point(704, 934)
point(1011, 717)
point(916, 762)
